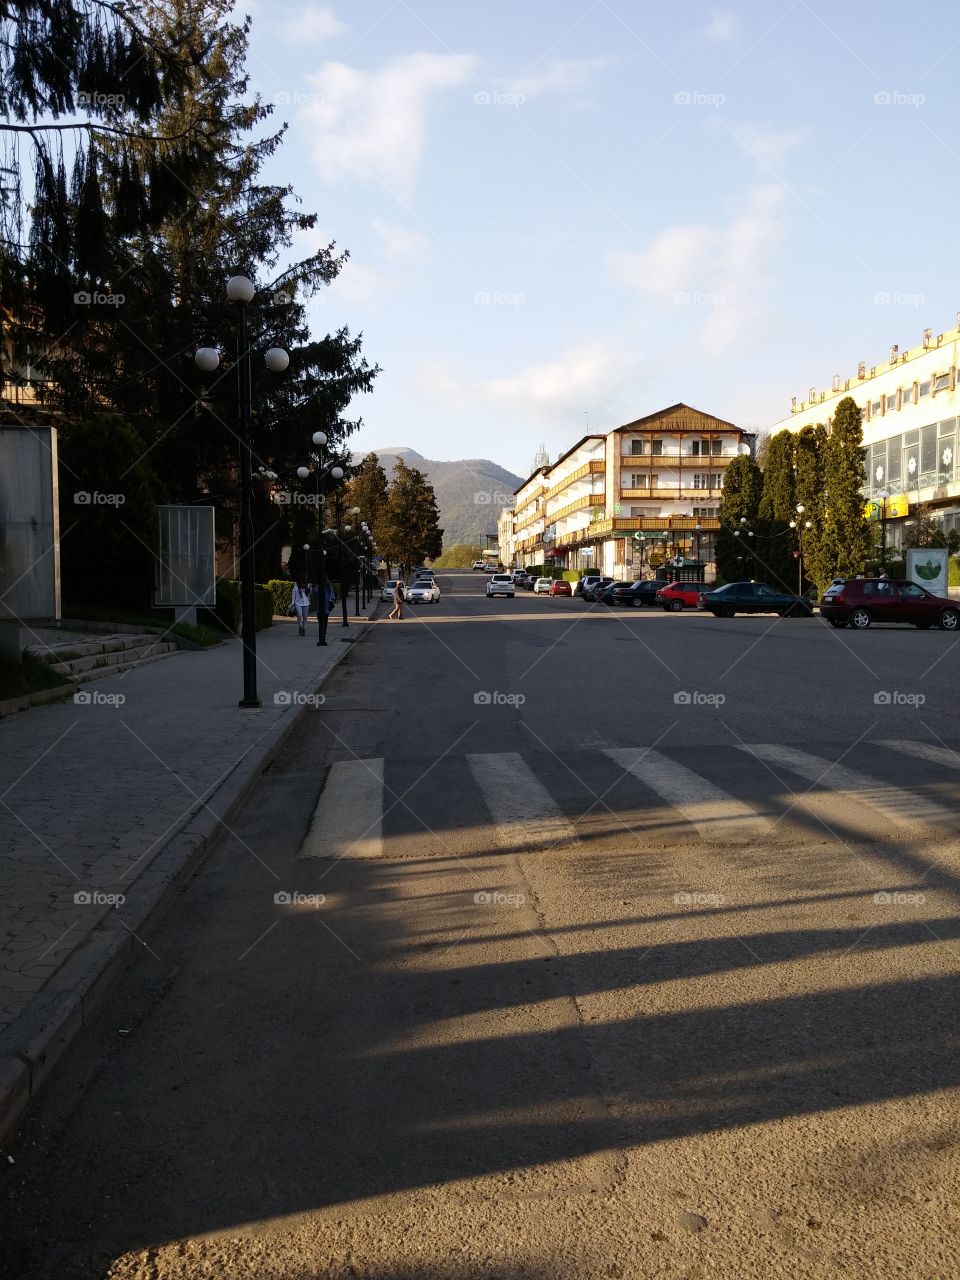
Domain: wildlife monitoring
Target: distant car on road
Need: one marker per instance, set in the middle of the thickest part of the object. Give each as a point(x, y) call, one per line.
point(593, 585)
point(859, 602)
point(634, 594)
point(542, 586)
point(754, 597)
point(604, 595)
point(559, 587)
point(501, 584)
point(424, 591)
point(388, 589)
point(587, 581)
point(676, 596)
point(480, 565)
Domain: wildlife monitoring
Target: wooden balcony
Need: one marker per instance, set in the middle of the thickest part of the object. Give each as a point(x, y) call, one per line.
point(589, 468)
point(581, 504)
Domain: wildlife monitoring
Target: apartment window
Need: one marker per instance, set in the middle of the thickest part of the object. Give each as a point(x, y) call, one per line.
point(925, 388)
point(654, 481)
point(636, 446)
point(875, 408)
point(907, 397)
point(941, 382)
point(656, 447)
point(891, 403)
point(702, 480)
point(716, 448)
point(708, 513)
point(700, 448)
point(638, 480)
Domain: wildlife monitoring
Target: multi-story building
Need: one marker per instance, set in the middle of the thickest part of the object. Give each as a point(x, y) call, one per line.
point(909, 405)
point(648, 489)
point(505, 535)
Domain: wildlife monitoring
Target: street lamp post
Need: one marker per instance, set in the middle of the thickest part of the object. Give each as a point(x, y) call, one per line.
point(336, 474)
point(241, 290)
point(698, 533)
point(354, 513)
point(883, 495)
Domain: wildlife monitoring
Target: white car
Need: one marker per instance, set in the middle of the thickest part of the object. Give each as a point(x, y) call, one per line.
point(424, 591)
point(479, 564)
point(542, 586)
point(388, 589)
point(501, 584)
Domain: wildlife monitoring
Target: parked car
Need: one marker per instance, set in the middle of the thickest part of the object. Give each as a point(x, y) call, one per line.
point(604, 595)
point(634, 594)
point(596, 584)
point(529, 581)
point(424, 591)
point(479, 565)
point(388, 589)
point(501, 584)
point(542, 586)
point(754, 597)
point(676, 596)
point(859, 602)
point(586, 582)
point(559, 587)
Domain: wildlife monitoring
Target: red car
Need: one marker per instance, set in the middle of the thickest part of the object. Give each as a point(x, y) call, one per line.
point(858, 602)
point(558, 588)
point(680, 595)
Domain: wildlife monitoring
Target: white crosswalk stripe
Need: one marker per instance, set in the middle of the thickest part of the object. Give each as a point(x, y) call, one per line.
point(715, 813)
point(348, 819)
point(900, 807)
point(523, 811)
point(941, 756)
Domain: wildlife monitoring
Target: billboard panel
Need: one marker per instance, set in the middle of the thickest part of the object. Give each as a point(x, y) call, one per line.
point(29, 525)
point(186, 567)
point(927, 567)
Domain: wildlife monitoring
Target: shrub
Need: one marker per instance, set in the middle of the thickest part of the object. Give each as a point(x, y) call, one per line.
point(226, 612)
point(263, 607)
point(280, 591)
point(953, 572)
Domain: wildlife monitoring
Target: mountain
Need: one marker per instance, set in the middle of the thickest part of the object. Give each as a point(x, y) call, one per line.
point(469, 493)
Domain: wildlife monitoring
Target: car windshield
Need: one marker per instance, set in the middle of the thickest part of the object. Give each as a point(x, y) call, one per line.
point(392, 583)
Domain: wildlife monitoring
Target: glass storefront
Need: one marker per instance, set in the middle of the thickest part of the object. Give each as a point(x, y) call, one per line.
point(917, 459)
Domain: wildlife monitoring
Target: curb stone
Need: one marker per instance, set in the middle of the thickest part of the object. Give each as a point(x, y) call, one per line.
point(35, 1041)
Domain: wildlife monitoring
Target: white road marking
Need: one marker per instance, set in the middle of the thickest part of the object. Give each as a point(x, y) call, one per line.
point(941, 756)
point(900, 807)
point(523, 811)
point(348, 819)
point(715, 813)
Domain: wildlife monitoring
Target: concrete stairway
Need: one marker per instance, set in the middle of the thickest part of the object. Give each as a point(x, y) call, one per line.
point(81, 660)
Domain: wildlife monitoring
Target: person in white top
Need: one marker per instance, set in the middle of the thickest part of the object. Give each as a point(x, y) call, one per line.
point(300, 601)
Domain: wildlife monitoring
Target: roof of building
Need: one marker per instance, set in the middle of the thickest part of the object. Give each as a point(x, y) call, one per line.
point(674, 411)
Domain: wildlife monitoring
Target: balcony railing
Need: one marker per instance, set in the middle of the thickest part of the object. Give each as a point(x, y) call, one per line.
point(580, 504)
point(588, 468)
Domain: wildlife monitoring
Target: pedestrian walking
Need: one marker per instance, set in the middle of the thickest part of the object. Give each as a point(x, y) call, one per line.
point(300, 603)
point(398, 598)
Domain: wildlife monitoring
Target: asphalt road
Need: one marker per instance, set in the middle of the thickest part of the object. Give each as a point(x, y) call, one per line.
point(559, 942)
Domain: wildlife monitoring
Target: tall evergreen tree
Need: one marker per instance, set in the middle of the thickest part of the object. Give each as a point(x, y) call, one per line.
point(846, 534)
point(739, 500)
point(776, 511)
point(411, 526)
point(809, 447)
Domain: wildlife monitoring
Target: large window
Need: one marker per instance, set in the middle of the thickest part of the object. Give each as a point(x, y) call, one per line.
point(656, 447)
point(911, 458)
point(700, 448)
point(946, 450)
point(717, 448)
point(941, 382)
point(638, 480)
point(636, 447)
point(928, 455)
point(907, 397)
point(894, 462)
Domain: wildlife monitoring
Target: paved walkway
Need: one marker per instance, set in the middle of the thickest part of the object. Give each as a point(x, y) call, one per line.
point(91, 792)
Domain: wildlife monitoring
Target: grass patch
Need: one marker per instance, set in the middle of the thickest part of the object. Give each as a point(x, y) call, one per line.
point(28, 676)
point(202, 635)
point(157, 620)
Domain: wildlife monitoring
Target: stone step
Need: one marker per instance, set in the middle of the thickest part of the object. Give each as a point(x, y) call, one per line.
point(119, 668)
point(118, 659)
point(69, 650)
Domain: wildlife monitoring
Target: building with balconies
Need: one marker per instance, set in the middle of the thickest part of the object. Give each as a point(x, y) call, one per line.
point(528, 519)
point(909, 404)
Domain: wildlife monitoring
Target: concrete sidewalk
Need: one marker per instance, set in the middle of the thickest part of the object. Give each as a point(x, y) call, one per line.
point(106, 807)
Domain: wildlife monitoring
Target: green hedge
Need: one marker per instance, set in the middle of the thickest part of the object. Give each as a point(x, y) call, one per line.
point(226, 612)
point(953, 572)
point(280, 591)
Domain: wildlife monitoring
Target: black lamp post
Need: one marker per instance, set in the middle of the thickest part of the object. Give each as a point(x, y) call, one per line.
point(241, 290)
point(697, 533)
point(883, 495)
point(336, 474)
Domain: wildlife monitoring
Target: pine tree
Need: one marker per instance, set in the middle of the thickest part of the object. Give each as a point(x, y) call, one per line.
point(739, 500)
point(411, 529)
point(846, 533)
point(776, 512)
point(810, 443)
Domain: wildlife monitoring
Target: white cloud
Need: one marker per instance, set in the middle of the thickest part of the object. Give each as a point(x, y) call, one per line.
point(767, 147)
point(583, 378)
point(719, 276)
point(311, 25)
point(400, 244)
point(722, 27)
point(371, 125)
point(569, 75)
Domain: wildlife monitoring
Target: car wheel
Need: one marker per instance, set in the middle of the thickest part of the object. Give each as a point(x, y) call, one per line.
point(836, 622)
point(676, 606)
point(949, 620)
point(860, 619)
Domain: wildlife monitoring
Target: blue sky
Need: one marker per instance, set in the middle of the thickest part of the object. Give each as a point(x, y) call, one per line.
point(565, 215)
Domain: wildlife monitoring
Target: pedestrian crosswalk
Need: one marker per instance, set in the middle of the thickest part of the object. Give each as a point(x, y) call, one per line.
point(747, 794)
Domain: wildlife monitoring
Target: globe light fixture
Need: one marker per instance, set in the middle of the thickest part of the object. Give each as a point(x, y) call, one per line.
point(206, 359)
point(303, 472)
point(240, 289)
point(336, 473)
point(276, 359)
point(320, 437)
